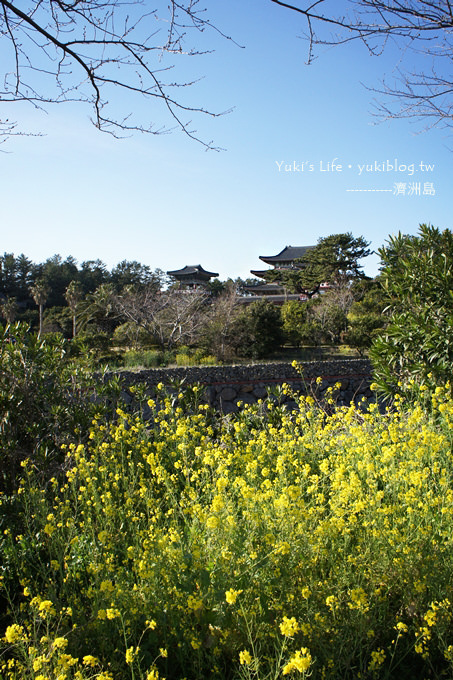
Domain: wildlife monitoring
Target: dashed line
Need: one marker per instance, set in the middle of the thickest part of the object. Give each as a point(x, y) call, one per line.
point(375, 190)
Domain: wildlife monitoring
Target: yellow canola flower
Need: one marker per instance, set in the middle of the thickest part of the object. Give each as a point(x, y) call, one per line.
point(289, 627)
point(46, 607)
point(358, 600)
point(131, 653)
point(212, 522)
point(300, 661)
point(38, 663)
point(194, 603)
point(106, 586)
point(232, 595)
point(331, 602)
point(377, 659)
point(15, 633)
point(60, 643)
point(245, 658)
point(90, 660)
point(66, 661)
point(111, 613)
point(153, 674)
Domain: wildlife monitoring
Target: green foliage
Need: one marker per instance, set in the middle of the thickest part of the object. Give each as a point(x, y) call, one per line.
point(417, 344)
point(187, 356)
point(182, 359)
point(133, 273)
point(321, 320)
point(97, 311)
point(335, 259)
point(209, 360)
point(362, 329)
point(44, 402)
point(74, 295)
point(92, 274)
point(216, 287)
point(57, 275)
point(299, 327)
point(257, 330)
point(366, 315)
point(150, 358)
point(130, 334)
point(9, 309)
point(58, 320)
point(96, 341)
point(16, 276)
point(294, 315)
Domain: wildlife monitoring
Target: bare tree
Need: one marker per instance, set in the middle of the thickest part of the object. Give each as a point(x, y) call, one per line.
point(171, 317)
point(100, 52)
point(220, 322)
point(422, 26)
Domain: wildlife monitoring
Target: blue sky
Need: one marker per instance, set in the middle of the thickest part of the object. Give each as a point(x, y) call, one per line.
point(166, 202)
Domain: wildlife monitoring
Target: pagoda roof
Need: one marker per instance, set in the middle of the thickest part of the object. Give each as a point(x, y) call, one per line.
point(288, 254)
point(259, 272)
point(190, 270)
point(265, 288)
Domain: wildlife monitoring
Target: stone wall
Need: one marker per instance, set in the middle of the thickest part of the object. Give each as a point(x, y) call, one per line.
point(225, 386)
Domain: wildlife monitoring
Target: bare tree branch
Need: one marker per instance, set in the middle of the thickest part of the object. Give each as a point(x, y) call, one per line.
point(422, 28)
point(104, 53)
point(171, 317)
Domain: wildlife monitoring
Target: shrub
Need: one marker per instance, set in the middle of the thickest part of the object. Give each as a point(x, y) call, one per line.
point(416, 347)
point(184, 360)
point(257, 331)
point(130, 334)
point(150, 358)
point(208, 360)
point(44, 402)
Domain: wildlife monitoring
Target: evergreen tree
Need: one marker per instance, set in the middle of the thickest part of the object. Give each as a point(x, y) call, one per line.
point(335, 260)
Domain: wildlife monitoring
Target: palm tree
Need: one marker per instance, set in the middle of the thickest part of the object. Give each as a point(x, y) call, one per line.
point(40, 293)
point(73, 296)
point(99, 308)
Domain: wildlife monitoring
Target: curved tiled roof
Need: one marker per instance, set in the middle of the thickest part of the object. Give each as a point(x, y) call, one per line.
point(287, 254)
point(188, 270)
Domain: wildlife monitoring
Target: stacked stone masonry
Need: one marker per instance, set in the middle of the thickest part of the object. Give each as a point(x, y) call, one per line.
point(227, 387)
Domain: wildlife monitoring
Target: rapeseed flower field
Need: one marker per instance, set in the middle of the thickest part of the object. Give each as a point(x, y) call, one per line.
point(261, 545)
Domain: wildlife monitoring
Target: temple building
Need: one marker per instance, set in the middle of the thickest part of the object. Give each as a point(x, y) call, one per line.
point(275, 291)
point(286, 259)
point(192, 276)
